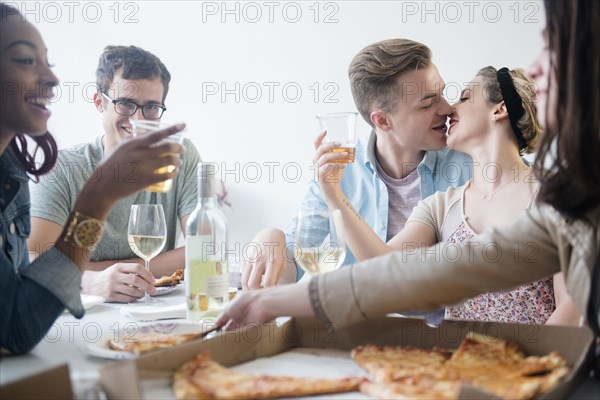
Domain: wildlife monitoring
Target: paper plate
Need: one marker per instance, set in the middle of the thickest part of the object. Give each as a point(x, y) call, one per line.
point(162, 290)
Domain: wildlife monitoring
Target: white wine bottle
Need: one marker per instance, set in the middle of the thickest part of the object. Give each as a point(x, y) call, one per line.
point(206, 275)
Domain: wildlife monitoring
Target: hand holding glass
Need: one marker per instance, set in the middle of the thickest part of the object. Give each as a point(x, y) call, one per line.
point(340, 128)
point(142, 127)
point(315, 256)
point(147, 234)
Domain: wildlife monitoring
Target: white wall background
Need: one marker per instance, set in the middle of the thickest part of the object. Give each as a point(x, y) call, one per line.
point(280, 63)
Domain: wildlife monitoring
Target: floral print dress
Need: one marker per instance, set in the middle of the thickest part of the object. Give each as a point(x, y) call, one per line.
point(528, 304)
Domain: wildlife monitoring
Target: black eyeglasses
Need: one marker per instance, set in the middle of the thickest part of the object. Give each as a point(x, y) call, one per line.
point(128, 107)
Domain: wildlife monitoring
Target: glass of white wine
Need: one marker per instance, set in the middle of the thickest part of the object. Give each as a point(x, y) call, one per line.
point(320, 243)
point(147, 234)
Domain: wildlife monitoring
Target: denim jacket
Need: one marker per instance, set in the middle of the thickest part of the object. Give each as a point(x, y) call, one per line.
point(368, 194)
point(33, 294)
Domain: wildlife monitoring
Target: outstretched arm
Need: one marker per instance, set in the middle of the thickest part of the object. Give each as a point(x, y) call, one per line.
point(424, 278)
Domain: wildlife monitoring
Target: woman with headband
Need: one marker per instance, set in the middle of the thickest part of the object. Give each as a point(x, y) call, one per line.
point(494, 122)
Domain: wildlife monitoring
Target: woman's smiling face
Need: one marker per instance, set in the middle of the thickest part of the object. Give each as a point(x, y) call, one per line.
point(471, 117)
point(26, 78)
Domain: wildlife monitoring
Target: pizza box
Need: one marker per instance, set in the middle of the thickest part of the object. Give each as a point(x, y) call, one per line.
point(149, 376)
point(53, 383)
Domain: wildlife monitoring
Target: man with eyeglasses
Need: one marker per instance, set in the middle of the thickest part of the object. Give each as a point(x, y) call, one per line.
point(131, 84)
point(129, 107)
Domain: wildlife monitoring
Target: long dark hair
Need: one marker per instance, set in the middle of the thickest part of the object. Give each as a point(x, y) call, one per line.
point(570, 183)
point(46, 143)
point(19, 144)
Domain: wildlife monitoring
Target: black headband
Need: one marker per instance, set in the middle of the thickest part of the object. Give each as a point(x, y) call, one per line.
point(514, 105)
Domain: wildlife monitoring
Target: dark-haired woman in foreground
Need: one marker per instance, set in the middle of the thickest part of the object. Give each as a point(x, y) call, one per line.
point(561, 233)
point(35, 294)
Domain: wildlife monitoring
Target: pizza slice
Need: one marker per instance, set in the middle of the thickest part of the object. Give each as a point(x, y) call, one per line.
point(174, 279)
point(483, 357)
point(518, 387)
point(203, 378)
point(390, 363)
point(421, 388)
point(143, 342)
point(497, 366)
point(413, 388)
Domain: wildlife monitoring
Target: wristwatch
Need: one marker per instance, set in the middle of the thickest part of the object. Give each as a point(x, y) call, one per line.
point(83, 231)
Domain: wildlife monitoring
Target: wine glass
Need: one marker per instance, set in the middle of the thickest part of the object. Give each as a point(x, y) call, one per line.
point(320, 242)
point(147, 234)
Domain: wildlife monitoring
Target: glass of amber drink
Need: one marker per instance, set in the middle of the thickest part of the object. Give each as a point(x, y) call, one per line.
point(144, 126)
point(340, 128)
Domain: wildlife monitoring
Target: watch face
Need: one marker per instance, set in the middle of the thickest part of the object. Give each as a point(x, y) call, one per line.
point(88, 233)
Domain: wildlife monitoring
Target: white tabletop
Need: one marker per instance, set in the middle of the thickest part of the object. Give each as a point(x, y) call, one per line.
point(68, 339)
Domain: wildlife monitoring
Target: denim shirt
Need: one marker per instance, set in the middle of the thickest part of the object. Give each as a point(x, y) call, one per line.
point(368, 194)
point(33, 294)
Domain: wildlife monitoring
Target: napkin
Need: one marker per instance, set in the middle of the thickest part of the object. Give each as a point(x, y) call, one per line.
point(153, 313)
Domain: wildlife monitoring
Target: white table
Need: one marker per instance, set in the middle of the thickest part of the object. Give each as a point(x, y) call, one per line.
point(67, 340)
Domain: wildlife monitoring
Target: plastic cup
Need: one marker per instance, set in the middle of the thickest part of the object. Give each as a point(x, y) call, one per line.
point(143, 127)
point(340, 128)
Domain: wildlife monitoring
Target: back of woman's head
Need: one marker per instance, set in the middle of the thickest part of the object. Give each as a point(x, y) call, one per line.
point(18, 145)
point(571, 146)
point(528, 125)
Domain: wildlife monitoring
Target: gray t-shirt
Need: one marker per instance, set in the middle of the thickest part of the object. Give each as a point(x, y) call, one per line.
point(403, 194)
point(54, 196)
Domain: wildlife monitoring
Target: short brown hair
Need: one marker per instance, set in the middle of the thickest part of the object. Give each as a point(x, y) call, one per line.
point(136, 63)
point(528, 123)
point(373, 72)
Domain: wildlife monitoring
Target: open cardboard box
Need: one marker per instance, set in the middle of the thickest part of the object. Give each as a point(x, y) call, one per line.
point(53, 383)
point(124, 380)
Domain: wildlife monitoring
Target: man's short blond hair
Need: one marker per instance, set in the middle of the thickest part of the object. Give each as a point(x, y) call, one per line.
point(373, 72)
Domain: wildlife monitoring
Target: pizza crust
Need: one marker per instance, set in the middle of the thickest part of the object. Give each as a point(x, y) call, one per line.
point(496, 366)
point(203, 378)
point(413, 389)
point(143, 342)
point(174, 279)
